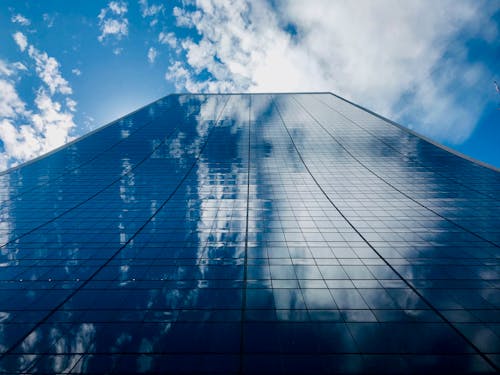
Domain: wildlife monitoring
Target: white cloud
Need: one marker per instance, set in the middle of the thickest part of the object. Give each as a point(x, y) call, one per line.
point(76, 72)
point(189, 19)
point(373, 52)
point(19, 66)
point(168, 38)
point(19, 143)
point(118, 7)
point(88, 122)
point(5, 69)
point(48, 70)
point(28, 135)
point(112, 21)
point(152, 53)
point(180, 75)
point(150, 10)
point(52, 121)
point(71, 104)
point(49, 128)
point(11, 105)
point(117, 28)
point(25, 134)
point(21, 40)
point(20, 19)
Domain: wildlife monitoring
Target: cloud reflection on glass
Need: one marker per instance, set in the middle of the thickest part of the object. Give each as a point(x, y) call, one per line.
point(238, 233)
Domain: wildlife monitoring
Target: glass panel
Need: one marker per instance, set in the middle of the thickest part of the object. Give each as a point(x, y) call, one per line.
point(288, 233)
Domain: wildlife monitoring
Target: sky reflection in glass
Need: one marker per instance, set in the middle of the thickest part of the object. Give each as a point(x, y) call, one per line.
point(249, 234)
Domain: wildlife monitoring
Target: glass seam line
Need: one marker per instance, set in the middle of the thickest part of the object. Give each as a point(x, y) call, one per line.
point(414, 159)
point(436, 311)
point(317, 184)
point(391, 185)
point(245, 261)
point(68, 171)
point(82, 285)
point(93, 195)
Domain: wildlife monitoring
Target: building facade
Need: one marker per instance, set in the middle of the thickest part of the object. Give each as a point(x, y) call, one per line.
point(249, 234)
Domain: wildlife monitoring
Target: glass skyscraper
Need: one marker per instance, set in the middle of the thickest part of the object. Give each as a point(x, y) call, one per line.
point(250, 234)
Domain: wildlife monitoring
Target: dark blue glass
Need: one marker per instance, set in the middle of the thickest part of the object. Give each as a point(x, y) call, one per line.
point(250, 234)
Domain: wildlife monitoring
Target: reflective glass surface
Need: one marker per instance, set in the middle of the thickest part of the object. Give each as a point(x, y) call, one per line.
point(250, 234)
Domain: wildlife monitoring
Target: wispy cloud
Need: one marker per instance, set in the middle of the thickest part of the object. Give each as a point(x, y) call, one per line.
point(48, 70)
point(151, 11)
point(49, 19)
point(112, 21)
point(20, 19)
point(118, 7)
point(377, 53)
point(76, 72)
point(71, 104)
point(189, 18)
point(180, 75)
point(11, 105)
point(168, 39)
point(152, 53)
point(20, 40)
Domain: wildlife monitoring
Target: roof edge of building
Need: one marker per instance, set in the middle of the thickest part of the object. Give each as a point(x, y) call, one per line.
point(78, 139)
point(423, 137)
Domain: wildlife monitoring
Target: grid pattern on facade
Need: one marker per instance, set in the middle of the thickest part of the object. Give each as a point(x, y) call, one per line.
point(247, 234)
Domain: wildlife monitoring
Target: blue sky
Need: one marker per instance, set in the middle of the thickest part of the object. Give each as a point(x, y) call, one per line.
point(67, 67)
